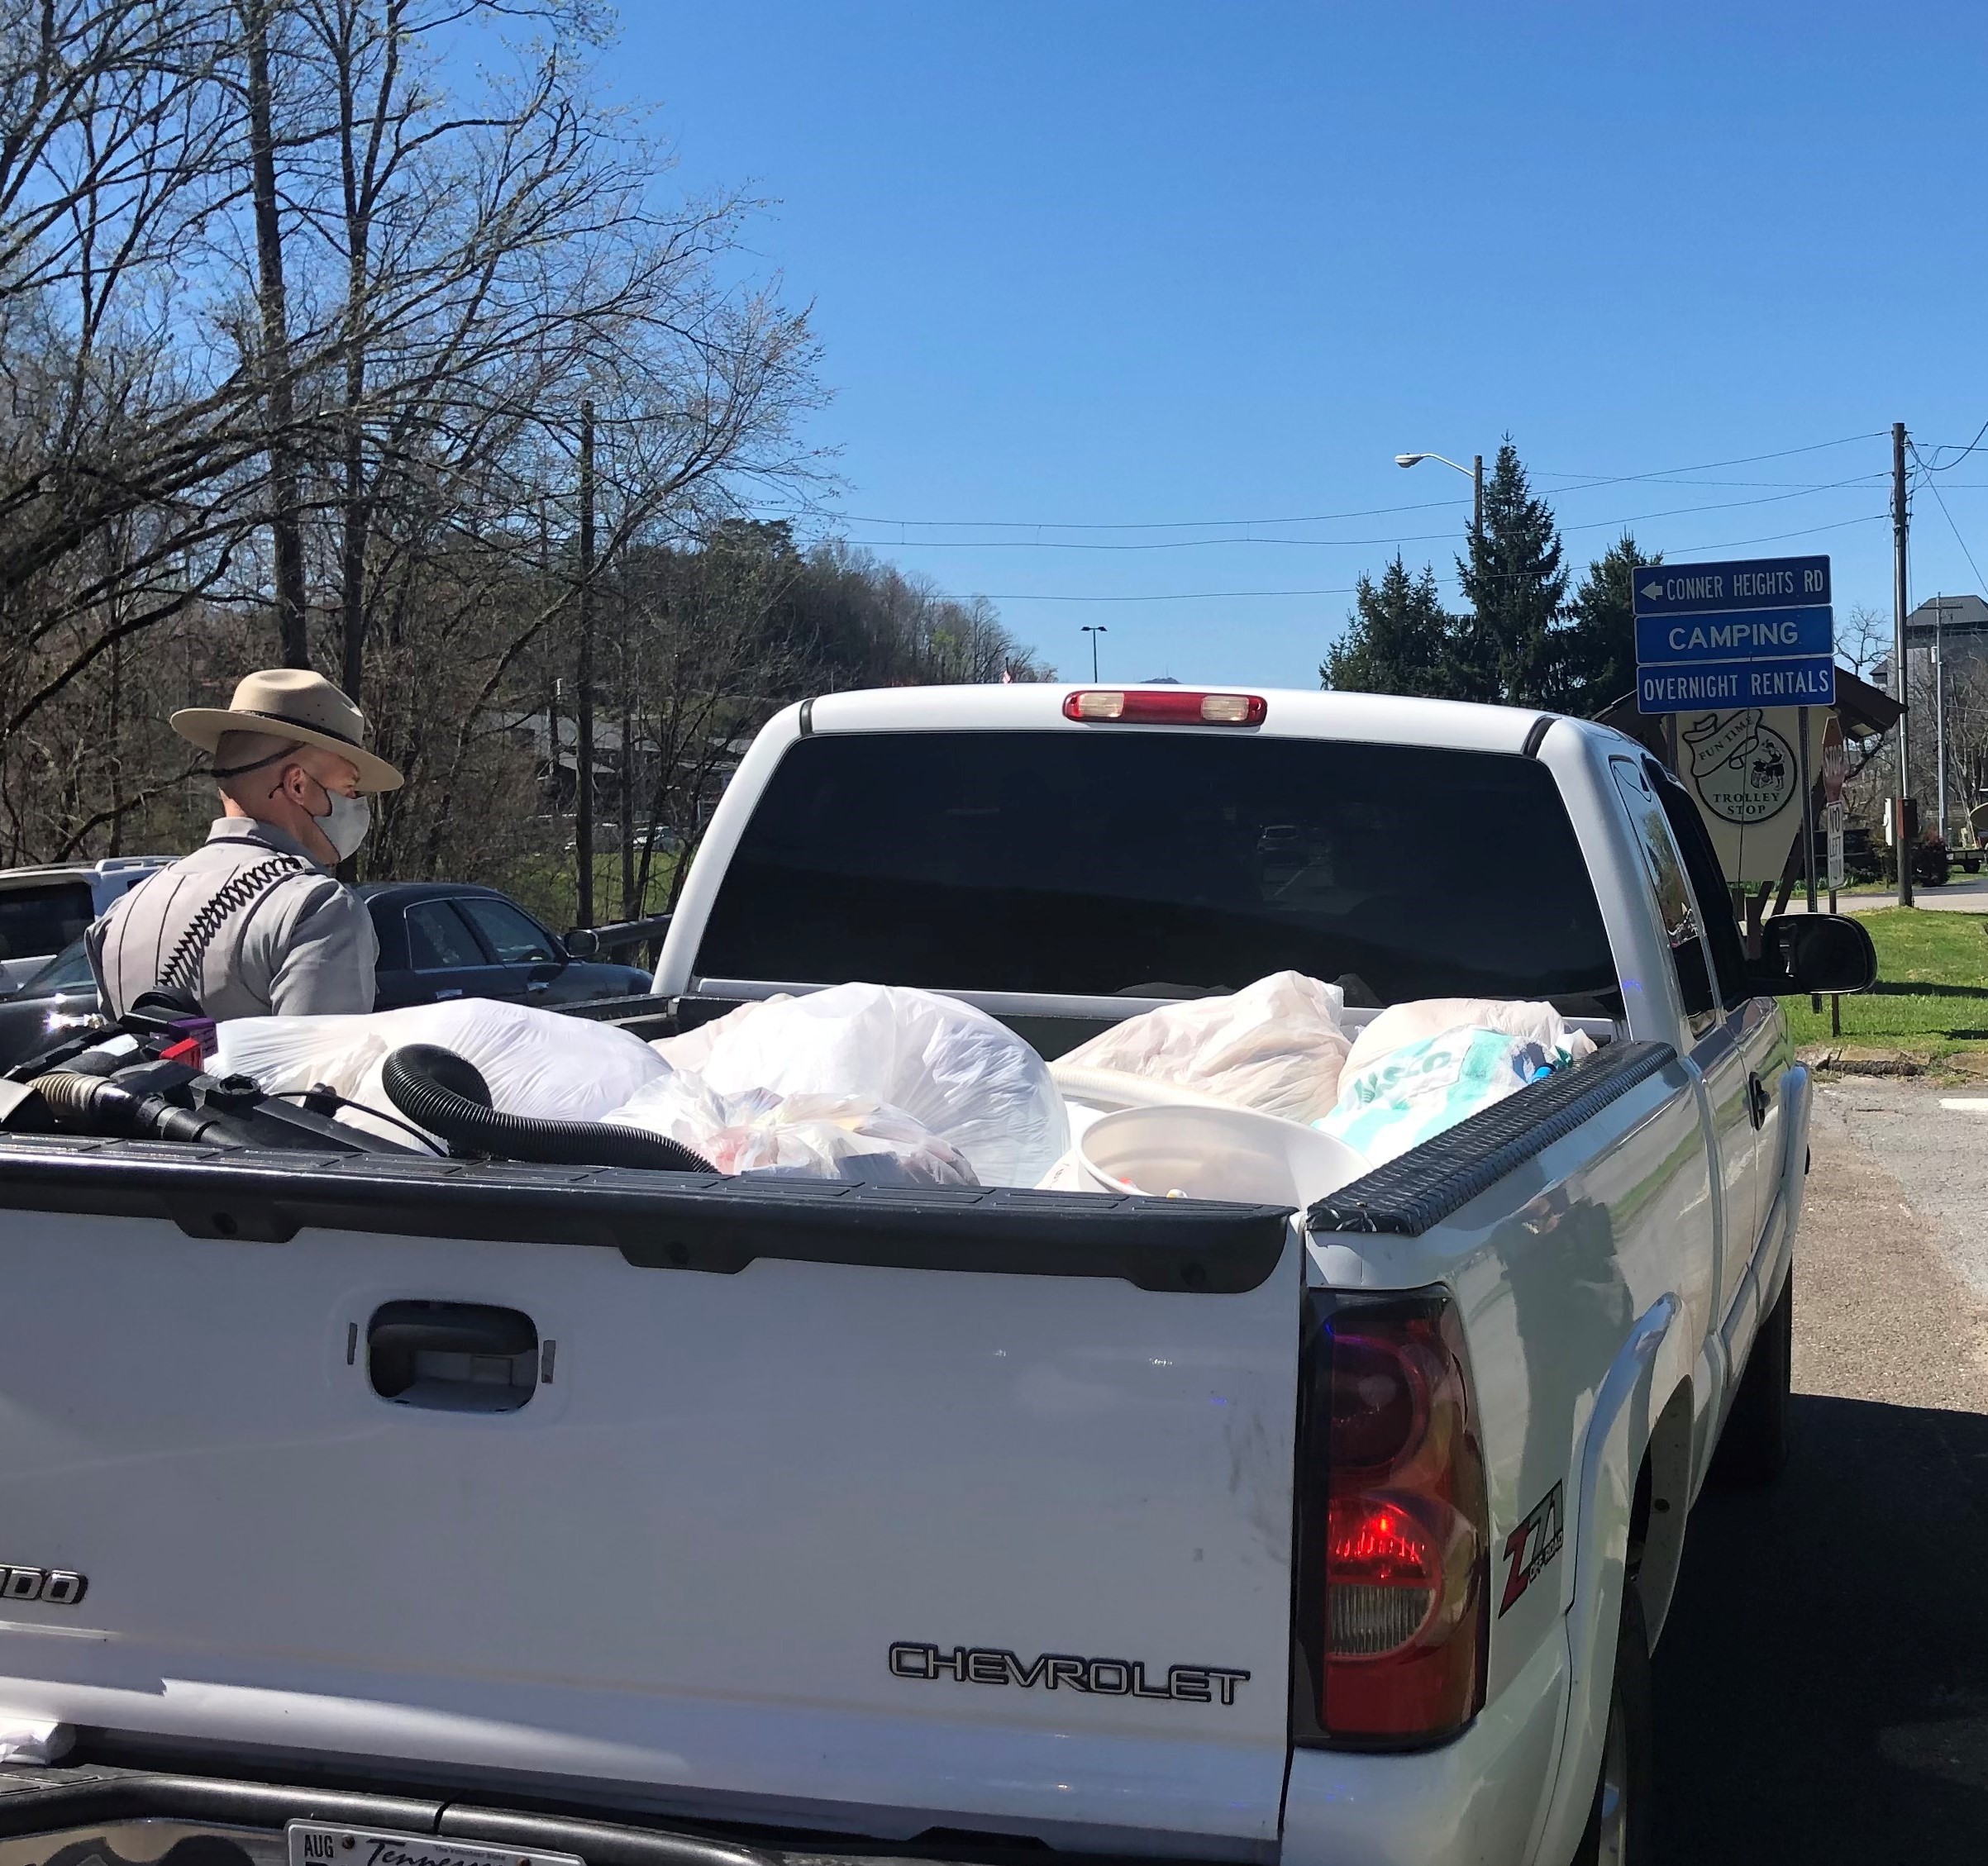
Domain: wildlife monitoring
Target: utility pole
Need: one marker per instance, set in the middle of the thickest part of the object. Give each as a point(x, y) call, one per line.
point(582, 811)
point(1939, 709)
point(280, 404)
point(1901, 804)
point(554, 694)
point(1477, 492)
point(630, 910)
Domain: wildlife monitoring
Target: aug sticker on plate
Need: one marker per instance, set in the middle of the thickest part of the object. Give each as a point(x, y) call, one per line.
point(326, 1843)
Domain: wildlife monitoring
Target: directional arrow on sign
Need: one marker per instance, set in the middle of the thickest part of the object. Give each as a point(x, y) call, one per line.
point(1653, 590)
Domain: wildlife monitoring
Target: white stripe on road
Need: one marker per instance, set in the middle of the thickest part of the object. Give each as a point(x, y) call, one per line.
point(1965, 1104)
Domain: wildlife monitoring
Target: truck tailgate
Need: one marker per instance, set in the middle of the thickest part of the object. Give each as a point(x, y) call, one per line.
point(834, 1540)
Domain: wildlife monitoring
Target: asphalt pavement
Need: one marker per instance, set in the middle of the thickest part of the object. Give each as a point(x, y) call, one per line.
point(1822, 1686)
point(1966, 893)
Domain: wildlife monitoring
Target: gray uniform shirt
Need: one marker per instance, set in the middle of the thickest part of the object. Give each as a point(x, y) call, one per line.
point(301, 946)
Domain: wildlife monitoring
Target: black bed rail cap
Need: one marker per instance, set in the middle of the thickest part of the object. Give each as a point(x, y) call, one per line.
point(657, 1220)
point(1423, 1185)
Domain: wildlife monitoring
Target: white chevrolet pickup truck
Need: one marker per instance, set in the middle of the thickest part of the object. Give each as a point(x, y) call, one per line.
point(804, 1521)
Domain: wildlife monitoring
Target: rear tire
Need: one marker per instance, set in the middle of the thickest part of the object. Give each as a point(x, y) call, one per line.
point(1754, 1446)
point(1621, 1824)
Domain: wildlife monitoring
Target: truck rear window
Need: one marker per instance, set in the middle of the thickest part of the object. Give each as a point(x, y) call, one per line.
point(1151, 864)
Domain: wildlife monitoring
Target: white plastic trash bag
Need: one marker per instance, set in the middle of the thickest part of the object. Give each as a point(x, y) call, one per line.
point(1421, 1017)
point(821, 1136)
point(1276, 1047)
point(956, 1072)
point(25, 1738)
point(690, 1052)
point(537, 1063)
point(1419, 1089)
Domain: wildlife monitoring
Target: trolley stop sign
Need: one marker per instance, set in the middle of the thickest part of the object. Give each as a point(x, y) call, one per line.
point(1711, 637)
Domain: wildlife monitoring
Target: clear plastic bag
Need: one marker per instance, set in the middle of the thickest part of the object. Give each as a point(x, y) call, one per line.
point(818, 1136)
point(1420, 1018)
point(535, 1062)
point(957, 1073)
point(1418, 1089)
point(689, 1053)
point(1276, 1047)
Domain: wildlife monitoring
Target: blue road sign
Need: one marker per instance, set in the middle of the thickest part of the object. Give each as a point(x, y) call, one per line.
point(1757, 633)
point(1765, 583)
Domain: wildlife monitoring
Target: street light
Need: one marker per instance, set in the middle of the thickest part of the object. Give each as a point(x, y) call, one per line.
point(1094, 630)
point(1474, 471)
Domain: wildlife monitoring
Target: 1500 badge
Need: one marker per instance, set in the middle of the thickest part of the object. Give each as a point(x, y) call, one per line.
point(1054, 1671)
point(58, 1587)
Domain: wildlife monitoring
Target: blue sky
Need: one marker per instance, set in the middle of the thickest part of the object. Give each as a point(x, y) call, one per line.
point(1156, 264)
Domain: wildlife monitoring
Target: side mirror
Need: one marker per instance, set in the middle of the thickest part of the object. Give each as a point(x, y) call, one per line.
point(583, 942)
point(1819, 952)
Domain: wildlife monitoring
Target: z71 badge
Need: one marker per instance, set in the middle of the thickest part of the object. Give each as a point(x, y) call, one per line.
point(1053, 1671)
point(1532, 1545)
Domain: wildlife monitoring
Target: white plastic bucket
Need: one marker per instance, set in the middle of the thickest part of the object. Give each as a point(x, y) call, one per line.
point(1215, 1153)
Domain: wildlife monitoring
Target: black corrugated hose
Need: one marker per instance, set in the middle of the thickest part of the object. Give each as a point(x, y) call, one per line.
point(437, 1089)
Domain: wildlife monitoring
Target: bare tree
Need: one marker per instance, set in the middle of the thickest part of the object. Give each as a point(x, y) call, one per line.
point(273, 357)
point(295, 325)
point(1863, 639)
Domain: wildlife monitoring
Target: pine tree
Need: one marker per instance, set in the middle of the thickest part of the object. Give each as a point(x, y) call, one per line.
point(1512, 579)
point(1595, 664)
point(1395, 640)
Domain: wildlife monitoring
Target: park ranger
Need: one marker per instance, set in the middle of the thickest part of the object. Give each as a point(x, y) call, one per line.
point(254, 921)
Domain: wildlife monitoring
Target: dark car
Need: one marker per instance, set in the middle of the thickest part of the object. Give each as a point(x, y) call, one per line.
point(442, 939)
point(62, 994)
point(438, 940)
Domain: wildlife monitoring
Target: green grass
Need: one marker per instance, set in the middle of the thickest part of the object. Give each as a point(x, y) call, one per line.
point(549, 884)
point(1932, 991)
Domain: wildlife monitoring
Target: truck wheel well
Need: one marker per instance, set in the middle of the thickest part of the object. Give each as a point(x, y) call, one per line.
point(1656, 1517)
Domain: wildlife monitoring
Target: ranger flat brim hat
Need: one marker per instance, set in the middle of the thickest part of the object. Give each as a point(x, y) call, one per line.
point(291, 704)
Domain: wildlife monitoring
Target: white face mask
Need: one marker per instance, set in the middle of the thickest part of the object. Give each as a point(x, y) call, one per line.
point(346, 823)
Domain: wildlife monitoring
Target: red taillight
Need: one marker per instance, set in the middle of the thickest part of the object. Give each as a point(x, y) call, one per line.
point(1384, 1573)
point(1397, 1534)
point(1167, 706)
point(1378, 1544)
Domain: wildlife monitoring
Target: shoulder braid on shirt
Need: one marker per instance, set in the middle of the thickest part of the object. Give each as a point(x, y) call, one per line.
point(181, 972)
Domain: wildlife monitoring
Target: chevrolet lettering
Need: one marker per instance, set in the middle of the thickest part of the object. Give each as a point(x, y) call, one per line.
point(1108, 1678)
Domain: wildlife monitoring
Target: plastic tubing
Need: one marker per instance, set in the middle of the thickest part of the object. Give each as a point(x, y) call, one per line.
point(417, 1079)
point(91, 1102)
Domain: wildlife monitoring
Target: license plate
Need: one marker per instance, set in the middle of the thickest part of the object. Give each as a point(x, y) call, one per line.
point(326, 1843)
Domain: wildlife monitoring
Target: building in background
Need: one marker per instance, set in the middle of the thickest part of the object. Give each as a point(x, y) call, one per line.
point(1947, 659)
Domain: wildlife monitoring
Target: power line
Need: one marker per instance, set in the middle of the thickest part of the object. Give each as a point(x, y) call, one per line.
point(1774, 538)
point(1143, 525)
point(1167, 595)
point(1926, 475)
point(1948, 465)
point(1707, 466)
point(1318, 544)
point(1586, 482)
point(1238, 595)
point(1788, 485)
